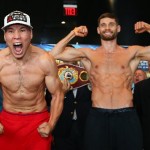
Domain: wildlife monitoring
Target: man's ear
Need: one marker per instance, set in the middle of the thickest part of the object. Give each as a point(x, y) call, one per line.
point(4, 38)
point(98, 30)
point(119, 28)
point(31, 34)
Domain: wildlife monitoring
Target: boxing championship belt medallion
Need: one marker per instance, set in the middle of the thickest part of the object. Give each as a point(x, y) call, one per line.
point(77, 76)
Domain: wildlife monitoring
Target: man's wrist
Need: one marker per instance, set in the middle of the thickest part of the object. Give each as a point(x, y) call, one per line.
point(73, 31)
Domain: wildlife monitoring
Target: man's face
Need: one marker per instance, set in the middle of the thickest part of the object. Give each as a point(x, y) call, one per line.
point(139, 75)
point(18, 38)
point(108, 29)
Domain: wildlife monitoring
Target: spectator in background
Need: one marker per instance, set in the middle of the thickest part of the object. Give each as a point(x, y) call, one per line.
point(139, 75)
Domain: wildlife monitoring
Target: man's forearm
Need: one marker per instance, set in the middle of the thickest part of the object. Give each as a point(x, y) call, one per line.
point(60, 46)
point(56, 110)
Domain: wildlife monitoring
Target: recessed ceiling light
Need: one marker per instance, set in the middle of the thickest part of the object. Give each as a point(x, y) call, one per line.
point(63, 22)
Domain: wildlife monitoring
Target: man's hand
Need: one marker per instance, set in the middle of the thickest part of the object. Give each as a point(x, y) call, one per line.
point(1, 129)
point(44, 129)
point(141, 27)
point(81, 31)
point(66, 85)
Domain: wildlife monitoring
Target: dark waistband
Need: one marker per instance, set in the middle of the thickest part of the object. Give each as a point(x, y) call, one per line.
point(119, 110)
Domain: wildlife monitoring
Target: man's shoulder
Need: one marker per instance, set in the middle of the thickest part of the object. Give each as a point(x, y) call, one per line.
point(37, 49)
point(39, 52)
point(4, 52)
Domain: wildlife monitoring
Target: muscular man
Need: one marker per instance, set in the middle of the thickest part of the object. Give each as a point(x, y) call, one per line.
point(112, 122)
point(25, 123)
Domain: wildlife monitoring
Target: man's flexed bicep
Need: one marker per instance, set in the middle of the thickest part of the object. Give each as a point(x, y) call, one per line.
point(142, 52)
point(54, 86)
point(71, 54)
point(57, 100)
point(80, 31)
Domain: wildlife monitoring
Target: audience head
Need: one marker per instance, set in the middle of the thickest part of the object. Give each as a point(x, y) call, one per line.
point(139, 75)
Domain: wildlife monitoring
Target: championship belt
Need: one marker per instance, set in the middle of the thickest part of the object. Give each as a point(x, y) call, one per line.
point(77, 76)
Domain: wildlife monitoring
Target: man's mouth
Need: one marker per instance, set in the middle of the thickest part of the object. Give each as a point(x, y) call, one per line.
point(17, 48)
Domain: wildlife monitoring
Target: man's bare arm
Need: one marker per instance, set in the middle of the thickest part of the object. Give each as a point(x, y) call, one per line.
point(141, 27)
point(54, 86)
point(141, 52)
point(80, 31)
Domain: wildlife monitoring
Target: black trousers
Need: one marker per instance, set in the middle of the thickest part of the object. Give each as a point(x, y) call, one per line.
point(116, 129)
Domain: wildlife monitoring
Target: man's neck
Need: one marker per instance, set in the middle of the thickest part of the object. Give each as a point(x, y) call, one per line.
point(109, 46)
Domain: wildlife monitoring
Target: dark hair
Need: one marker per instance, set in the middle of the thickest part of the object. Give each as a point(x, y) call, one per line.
point(108, 15)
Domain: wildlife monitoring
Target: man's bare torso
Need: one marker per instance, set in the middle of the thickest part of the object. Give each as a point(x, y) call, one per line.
point(22, 83)
point(111, 78)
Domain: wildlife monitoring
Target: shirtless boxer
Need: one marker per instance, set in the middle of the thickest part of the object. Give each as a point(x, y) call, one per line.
point(25, 70)
point(112, 123)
